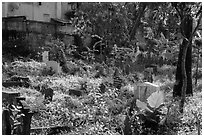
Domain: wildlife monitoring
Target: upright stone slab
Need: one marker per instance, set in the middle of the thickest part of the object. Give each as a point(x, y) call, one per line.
point(144, 90)
point(45, 56)
point(51, 64)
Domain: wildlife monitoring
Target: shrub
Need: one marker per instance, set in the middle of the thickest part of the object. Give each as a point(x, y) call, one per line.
point(27, 68)
point(18, 48)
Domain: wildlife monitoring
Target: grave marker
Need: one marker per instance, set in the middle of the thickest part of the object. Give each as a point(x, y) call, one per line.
point(51, 64)
point(144, 90)
point(45, 56)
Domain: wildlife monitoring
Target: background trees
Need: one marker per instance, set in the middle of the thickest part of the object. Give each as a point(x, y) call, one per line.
point(160, 30)
point(141, 35)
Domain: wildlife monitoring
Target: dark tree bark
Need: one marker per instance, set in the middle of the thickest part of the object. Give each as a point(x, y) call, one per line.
point(185, 56)
point(188, 66)
point(198, 44)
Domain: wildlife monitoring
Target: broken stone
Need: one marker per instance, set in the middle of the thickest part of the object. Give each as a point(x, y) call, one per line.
point(75, 92)
point(17, 81)
point(102, 88)
point(48, 92)
point(15, 84)
point(19, 78)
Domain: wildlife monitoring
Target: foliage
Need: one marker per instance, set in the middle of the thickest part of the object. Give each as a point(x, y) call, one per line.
point(150, 113)
point(15, 118)
point(102, 109)
point(20, 45)
point(96, 112)
point(23, 68)
point(104, 19)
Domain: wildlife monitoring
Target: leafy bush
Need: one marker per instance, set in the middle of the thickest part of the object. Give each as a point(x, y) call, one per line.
point(102, 113)
point(17, 48)
point(47, 71)
point(27, 68)
point(150, 113)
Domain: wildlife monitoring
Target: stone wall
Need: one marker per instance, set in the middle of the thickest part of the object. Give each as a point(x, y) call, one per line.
point(34, 32)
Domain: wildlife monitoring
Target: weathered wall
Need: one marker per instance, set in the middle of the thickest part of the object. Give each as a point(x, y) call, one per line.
point(38, 11)
point(65, 6)
point(33, 34)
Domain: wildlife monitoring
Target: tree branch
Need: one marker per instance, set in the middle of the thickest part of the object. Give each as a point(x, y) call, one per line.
point(199, 20)
point(199, 12)
point(175, 6)
point(137, 21)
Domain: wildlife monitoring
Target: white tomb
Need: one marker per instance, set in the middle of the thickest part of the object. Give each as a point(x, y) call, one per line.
point(143, 90)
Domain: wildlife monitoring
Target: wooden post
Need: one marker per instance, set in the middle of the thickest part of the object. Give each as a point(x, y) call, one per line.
point(27, 121)
point(6, 125)
point(15, 99)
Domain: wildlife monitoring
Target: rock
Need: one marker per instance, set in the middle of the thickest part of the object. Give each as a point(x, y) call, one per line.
point(17, 81)
point(48, 92)
point(14, 84)
point(19, 78)
point(75, 92)
point(102, 88)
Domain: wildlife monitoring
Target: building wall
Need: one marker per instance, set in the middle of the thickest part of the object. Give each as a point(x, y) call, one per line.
point(39, 11)
point(35, 31)
point(4, 9)
point(65, 7)
point(45, 11)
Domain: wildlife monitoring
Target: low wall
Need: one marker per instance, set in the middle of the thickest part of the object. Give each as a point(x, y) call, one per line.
point(35, 33)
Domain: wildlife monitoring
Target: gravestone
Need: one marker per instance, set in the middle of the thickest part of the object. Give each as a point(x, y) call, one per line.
point(144, 90)
point(45, 56)
point(55, 66)
point(148, 74)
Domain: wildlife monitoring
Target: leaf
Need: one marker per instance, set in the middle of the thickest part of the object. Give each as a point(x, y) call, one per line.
point(156, 99)
point(17, 124)
point(142, 105)
point(162, 121)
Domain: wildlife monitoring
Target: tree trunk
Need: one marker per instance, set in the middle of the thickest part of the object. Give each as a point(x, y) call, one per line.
point(197, 63)
point(189, 90)
point(185, 57)
point(183, 76)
